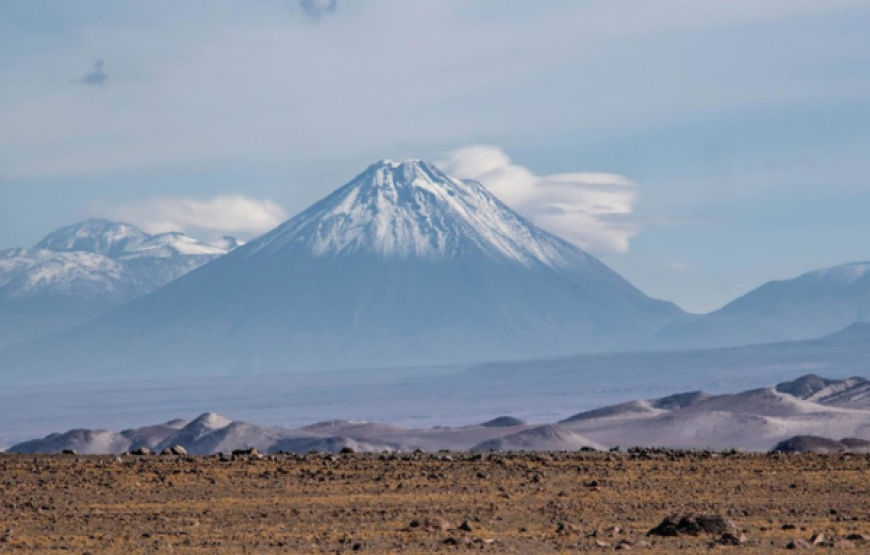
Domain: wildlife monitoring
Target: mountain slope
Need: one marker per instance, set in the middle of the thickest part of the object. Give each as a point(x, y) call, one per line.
point(403, 265)
point(81, 271)
point(810, 306)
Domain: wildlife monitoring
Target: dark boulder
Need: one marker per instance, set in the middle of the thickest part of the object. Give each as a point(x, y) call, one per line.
point(693, 525)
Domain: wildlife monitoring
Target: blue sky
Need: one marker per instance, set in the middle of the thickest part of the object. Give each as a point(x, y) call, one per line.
point(743, 127)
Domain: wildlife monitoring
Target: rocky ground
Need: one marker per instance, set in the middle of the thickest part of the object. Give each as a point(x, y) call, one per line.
point(501, 503)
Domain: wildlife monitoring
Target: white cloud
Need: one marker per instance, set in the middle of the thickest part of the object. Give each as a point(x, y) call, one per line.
point(591, 210)
point(223, 214)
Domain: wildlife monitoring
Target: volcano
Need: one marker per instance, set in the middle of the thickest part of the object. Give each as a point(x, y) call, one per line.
point(404, 265)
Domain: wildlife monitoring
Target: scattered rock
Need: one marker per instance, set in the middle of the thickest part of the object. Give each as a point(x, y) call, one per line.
point(612, 531)
point(465, 526)
point(142, 452)
point(693, 525)
point(798, 544)
point(430, 525)
point(177, 450)
point(732, 539)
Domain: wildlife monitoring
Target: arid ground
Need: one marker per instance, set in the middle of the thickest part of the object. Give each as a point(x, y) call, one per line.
point(500, 503)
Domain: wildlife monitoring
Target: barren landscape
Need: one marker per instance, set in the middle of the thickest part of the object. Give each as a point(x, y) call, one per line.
point(416, 502)
point(335, 276)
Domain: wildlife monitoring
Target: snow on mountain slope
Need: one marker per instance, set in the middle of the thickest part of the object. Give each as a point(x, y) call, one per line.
point(95, 236)
point(413, 210)
point(26, 273)
point(42, 292)
point(166, 245)
point(87, 269)
point(403, 265)
point(227, 243)
point(809, 306)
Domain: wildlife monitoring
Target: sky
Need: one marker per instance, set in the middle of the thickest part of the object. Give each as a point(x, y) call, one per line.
point(698, 148)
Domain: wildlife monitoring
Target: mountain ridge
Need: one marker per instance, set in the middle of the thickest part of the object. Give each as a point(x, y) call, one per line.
point(811, 305)
point(403, 264)
point(86, 269)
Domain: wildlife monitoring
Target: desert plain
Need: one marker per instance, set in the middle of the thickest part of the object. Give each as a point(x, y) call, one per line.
point(432, 502)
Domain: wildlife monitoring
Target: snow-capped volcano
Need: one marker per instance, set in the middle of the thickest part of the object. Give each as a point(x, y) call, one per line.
point(414, 210)
point(86, 269)
point(403, 265)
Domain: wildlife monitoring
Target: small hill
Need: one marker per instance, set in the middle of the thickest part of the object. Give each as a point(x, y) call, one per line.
point(542, 438)
point(503, 422)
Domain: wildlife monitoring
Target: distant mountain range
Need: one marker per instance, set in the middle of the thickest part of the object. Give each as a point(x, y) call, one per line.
point(84, 270)
point(809, 306)
point(757, 419)
point(404, 265)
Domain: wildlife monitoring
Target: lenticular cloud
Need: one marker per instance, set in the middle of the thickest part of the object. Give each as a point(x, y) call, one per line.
point(227, 214)
point(592, 210)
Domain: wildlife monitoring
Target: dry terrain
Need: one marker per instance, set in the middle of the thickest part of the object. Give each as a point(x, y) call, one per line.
point(500, 503)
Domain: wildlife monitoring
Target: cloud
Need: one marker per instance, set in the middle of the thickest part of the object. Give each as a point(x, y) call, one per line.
point(315, 9)
point(241, 86)
point(221, 214)
point(592, 210)
point(96, 77)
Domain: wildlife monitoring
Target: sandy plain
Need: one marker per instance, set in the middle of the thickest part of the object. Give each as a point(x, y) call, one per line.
point(423, 503)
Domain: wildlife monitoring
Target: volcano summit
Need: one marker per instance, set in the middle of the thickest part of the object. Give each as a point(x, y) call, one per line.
point(404, 265)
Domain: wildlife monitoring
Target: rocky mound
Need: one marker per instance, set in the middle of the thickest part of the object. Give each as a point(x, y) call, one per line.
point(809, 444)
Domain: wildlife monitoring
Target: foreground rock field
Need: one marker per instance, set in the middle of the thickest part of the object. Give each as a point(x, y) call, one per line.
point(420, 503)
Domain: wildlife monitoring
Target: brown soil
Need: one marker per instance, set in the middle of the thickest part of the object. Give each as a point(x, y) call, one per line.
point(546, 503)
